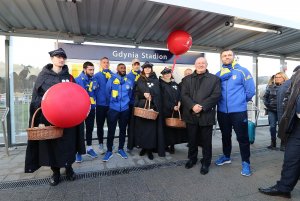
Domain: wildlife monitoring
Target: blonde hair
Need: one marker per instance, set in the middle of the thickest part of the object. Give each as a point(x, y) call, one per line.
point(283, 75)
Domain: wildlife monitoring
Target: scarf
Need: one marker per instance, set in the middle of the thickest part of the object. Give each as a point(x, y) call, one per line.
point(225, 72)
point(137, 74)
point(115, 86)
point(106, 73)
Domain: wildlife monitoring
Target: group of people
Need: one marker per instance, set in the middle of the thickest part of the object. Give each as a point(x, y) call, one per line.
point(199, 97)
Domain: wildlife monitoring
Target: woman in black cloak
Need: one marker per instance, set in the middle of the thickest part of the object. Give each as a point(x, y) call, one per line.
point(145, 133)
point(171, 102)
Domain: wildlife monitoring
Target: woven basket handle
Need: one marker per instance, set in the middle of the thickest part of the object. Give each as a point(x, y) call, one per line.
point(178, 113)
point(33, 117)
point(149, 102)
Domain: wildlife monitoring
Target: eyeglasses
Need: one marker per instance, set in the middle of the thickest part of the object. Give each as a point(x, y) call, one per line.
point(279, 77)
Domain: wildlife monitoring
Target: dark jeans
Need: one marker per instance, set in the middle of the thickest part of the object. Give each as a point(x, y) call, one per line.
point(204, 134)
point(239, 122)
point(273, 118)
point(89, 127)
point(130, 113)
point(290, 173)
point(101, 115)
point(113, 117)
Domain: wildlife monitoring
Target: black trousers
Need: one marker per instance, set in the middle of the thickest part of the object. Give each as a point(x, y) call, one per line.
point(101, 115)
point(203, 134)
point(114, 117)
point(290, 172)
point(89, 127)
point(239, 122)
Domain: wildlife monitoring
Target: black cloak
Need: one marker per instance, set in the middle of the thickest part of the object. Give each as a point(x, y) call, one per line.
point(147, 134)
point(170, 98)
point(58, 152)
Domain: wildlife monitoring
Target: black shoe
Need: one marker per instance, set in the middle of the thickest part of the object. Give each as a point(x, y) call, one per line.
point(150, 155)
point(204, 169)
point(273, 191)
point(54, 179)
point(172, 149)
point(142, 152)
point(271, 147)
point(282, 148)
point(70, 174)
point(190, 164)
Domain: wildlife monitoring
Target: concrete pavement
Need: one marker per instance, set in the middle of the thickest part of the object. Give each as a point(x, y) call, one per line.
point(138, 178)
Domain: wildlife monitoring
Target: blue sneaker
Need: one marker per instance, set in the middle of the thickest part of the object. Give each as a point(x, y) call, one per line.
point(246, 171)
point(223, 160)
point(122, 153)
point(78, 158)
point(91, 153)
point(107, 156)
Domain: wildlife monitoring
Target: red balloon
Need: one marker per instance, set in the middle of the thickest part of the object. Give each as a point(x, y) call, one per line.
point(66, 104)
point(179, 42)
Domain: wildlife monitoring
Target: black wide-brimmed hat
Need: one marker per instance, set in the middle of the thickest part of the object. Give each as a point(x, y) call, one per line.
point(166, 70)
point(147, 64)
point(58, 52)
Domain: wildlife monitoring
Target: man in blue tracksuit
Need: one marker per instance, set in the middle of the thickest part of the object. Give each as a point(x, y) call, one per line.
point(133, 75)
point(237, 89)
point(87, 81)
point(102, 77)
point(118, 89)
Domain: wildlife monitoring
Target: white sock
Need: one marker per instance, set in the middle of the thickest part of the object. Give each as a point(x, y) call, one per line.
point(89, 148)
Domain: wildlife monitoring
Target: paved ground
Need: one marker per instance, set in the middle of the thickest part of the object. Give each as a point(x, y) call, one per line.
point(167, 182)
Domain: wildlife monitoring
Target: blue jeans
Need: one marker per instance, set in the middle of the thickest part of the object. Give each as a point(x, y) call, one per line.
point(239, 122)
point(273, 118)
point(114, 117)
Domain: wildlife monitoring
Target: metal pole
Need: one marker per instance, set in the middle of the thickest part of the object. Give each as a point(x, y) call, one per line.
point(7, 90)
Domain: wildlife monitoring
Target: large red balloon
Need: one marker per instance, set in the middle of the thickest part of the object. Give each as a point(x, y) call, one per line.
point(66, 104)
point(179, 42)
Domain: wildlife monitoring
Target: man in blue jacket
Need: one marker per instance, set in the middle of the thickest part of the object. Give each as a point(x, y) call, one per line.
point(237, 89)
point(118, 89)
point(102, 77)
point(87, 81)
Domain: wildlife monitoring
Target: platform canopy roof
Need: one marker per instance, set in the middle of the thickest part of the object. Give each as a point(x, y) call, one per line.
point(144, 23)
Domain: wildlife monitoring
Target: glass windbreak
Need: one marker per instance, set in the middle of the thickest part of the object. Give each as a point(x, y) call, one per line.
point(266, 68)
point(290, 66)
point(28, 56)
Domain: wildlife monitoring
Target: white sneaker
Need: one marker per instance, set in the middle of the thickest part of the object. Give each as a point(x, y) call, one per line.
point(101, 149)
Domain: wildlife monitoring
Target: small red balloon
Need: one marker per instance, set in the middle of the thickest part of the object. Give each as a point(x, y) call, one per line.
point(66, 104)
point(179, 42)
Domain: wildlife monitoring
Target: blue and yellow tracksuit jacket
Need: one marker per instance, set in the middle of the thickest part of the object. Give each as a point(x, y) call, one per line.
point(90, 85)
point(133, 76)
point(102, 77)
point(237, 89)
point(119, 90)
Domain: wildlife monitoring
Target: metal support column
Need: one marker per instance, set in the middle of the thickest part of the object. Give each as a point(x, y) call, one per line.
point(7, 88)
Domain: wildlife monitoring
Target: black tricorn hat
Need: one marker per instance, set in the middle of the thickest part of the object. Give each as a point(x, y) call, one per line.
point(147, 64)
point(166, 70)
point(58, 52)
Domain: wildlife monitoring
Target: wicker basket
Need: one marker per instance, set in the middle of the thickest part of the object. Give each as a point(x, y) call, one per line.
point(175, 122)
point(145, 113)
point(43, 132)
